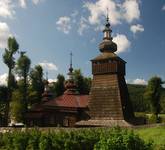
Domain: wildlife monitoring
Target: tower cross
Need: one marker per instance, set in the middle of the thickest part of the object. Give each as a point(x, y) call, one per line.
point(107, 17)
point(71, 59)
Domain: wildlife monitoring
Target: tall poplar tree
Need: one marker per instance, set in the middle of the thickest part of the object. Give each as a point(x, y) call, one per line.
point(153, 94)
point(22, 69)
point(8, 59)
point(37, 84)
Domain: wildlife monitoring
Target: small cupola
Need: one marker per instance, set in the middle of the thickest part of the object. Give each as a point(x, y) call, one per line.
point(107, 45)
point(70, 85)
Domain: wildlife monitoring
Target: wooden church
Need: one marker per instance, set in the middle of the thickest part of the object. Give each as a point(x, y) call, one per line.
point(62, 111)
point(109, 102)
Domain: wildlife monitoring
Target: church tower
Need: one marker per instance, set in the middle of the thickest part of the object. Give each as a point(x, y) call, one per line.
point(70, 85)
point(109, 99)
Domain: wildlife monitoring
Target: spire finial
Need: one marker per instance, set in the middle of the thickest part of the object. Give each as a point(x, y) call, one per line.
point(71, 59)
point(71, 68)
point(107, 17)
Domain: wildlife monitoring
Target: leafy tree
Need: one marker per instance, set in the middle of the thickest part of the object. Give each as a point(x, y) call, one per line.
point(3, 93)
point(23, 66)
point(17, 107)
point(3, 98)
point(58, 87)
point(87, 85)
point(83, 83)
point(37, 84)
point(136, 93)
point(153, 94)
point(8, 59)
point(162, 101)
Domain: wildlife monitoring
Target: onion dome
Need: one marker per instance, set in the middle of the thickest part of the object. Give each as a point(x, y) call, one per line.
point(107, 45)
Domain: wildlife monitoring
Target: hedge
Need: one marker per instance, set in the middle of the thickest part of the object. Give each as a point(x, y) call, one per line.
point(80, 139)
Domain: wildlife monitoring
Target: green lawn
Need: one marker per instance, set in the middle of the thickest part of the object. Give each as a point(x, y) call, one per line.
point(156, 134)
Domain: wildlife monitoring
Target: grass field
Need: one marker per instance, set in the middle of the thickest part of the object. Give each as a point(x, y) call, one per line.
point(156, 134)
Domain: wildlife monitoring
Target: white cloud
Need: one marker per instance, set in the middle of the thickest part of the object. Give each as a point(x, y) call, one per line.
point(22, 3)
point(98, 11)
point(52, 80)
point(48, 65)
point(4, 34)
point(36, 1)
point(82, 26)
point(139, 81)
point(3, 79)
point(163, 8)
point(128, 10)
point(6, 8)
point(64, 24)
point(122, 43)
point(137, 28)
point(131, 10)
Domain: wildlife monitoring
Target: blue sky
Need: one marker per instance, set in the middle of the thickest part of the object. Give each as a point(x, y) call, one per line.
point(48, 30)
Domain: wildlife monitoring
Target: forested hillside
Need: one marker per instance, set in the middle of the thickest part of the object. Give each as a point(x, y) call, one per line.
point(139, 104)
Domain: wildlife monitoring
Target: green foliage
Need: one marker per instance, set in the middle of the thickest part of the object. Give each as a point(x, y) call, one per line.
point(83, 83)
point(162, 101)
point(45, 142)
point(119, 139)
point(3, 100)
point(20, 141)
point(153, 119)
point(37, 84)
point(9, 60)
point(17, 107)
point(153, 94)
point(136, 93)
point(154, 134)
point(3, 93)
point(22, 69)
point(140, 104)
point(58, 87)
point(33, 142)
point(80, 139)
point(33, 97)
point(23, 65)
point(8, 55)
point(13, 46)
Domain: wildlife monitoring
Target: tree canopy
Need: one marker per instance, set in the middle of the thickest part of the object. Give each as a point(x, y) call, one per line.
point(153, 94)
point(83, 83)
point(36, 87)
point(9, 60)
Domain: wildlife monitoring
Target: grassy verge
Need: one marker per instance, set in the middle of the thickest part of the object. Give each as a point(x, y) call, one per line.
point(155, 134)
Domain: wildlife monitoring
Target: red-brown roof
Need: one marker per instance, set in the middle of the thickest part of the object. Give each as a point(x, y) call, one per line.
point(69, 100)
point(37, 107)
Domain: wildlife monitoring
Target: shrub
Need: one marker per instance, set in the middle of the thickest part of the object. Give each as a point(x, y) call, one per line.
point(118, 139)
point(45, 142)
point(80, 139)
point(153, 119)
point(20, 141)
point(34, 137)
